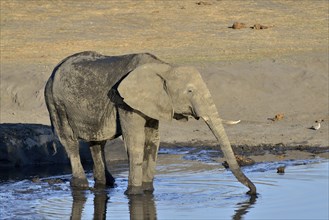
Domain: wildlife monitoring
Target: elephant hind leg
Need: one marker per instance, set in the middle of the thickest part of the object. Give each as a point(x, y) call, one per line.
point(101, 174)
point(79, 179)
point(152, 142)
point(71, 145)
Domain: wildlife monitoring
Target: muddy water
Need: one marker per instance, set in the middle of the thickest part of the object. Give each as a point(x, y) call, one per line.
point(188, 186)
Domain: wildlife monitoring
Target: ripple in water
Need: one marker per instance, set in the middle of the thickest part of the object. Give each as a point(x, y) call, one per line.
point(185, 189)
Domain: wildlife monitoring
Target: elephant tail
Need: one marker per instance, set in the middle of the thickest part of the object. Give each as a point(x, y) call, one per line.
point(52, 113)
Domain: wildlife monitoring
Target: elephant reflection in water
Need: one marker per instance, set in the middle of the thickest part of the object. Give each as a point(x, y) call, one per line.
point(243, 208)
point(140, 206)
point(79, 200)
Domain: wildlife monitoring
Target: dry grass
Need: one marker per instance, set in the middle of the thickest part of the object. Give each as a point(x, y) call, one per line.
point(177, 31)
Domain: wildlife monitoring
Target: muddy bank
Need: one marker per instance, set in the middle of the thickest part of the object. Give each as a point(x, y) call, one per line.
point(34, 144)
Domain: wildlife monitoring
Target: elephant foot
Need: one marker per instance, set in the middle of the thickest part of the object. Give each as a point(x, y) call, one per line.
point(148, 187)
point(134, 190)
point(80, 183)
point(100, 184)
point(102, 181)
point(103, 184)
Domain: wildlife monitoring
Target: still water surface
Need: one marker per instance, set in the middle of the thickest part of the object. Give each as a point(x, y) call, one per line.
point(185, 188)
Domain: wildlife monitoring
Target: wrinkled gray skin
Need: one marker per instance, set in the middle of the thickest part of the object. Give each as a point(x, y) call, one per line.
point(95, 98)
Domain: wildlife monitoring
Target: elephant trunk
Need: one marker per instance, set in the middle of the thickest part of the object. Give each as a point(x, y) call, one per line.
point(215, 124)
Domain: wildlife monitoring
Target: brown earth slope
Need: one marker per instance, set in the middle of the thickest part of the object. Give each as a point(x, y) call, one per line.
point(252, 74)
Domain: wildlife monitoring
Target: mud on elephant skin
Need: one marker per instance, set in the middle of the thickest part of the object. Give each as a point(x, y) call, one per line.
point(95, 98)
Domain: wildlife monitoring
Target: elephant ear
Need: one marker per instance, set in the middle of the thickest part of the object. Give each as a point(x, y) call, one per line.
point(144, 89)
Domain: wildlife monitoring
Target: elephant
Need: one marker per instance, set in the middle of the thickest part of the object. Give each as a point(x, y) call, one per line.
point(95, 98)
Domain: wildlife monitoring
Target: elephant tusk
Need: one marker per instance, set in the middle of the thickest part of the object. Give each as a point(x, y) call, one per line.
point(230, 122)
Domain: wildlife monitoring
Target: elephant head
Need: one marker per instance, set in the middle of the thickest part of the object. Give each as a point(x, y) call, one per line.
point(164, 92)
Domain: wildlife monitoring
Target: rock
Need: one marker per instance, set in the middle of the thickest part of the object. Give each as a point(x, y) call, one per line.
point(35, 144)
point(242, 161)
point(277, 117)
point(203, 3)
point(238, 25)
point(280, 169)
point(36, 179)
point(29, 144)
point(54, 181)
point(260, 27)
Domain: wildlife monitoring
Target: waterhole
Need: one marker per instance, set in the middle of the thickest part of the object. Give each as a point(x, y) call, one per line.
point(187, 186)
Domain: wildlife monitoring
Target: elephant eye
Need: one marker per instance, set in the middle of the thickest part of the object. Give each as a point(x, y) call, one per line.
point(189, 89)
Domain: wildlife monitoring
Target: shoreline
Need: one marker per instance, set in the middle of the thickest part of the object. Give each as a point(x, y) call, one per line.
point(33, 144)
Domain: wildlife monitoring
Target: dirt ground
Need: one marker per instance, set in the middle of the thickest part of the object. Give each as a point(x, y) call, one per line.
point(252, 74)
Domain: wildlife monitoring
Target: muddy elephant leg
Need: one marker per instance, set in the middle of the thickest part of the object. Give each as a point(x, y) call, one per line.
point(101, 174)
point(152, 142)
point(71, 145)
point(132, 126)
point(79, 179)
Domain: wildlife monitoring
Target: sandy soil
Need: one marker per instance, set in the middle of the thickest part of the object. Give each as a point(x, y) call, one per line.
point(252, 74)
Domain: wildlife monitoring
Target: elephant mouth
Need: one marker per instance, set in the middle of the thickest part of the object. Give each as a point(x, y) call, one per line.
point(185, 116)
point(180, 117)
point(194, 114)
point(196, 117)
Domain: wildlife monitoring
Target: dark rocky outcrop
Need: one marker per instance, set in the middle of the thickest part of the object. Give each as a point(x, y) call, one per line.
point(35, 144)
point(29, 144)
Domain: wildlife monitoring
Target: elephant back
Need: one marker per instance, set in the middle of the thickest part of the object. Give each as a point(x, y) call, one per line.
point(81, 84)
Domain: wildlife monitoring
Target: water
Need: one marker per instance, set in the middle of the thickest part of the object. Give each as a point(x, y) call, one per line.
point(184, 189)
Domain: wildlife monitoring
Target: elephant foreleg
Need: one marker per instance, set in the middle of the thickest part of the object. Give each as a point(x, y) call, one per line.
point(132, 125)
point(152, 142)
point(101, 175)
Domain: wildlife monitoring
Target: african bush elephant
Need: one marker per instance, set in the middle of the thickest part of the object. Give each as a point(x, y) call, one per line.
point(95, 98)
